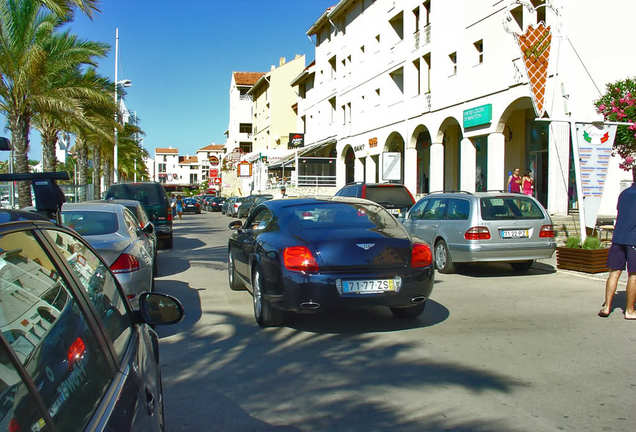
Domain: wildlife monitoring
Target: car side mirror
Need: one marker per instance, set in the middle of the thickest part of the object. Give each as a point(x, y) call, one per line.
point(235, 225)
point(157, 309)
point(149, 228)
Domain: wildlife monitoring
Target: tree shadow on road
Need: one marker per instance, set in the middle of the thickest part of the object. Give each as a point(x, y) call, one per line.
point(190, 300)
point(220, 379)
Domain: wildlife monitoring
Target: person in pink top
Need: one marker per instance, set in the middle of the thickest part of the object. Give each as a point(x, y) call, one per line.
point(527, 184)
point(514, 182)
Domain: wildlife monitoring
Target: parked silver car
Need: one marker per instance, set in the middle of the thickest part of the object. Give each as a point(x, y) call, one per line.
point(482, 227)
point(115, 233)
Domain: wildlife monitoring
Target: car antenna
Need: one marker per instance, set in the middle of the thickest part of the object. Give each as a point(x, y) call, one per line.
point(48, 195)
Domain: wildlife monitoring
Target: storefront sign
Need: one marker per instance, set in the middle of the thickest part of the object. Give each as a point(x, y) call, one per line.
point(244, 169)
point(217, 180)
point(478, 116)
point(234, 155)
point(296, 140)
point(214, 161)
point(358, 148)
point(535, 48)
point(595, 150)
point(391, 166)
point(373, 142)
point(214, 172)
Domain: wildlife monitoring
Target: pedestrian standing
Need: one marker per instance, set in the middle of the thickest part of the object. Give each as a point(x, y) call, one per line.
point(179, 205)
point(623, 252)
point(527, 184)
point(514, 182)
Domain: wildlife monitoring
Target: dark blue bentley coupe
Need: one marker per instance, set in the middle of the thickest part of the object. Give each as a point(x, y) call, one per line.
point(311, 254)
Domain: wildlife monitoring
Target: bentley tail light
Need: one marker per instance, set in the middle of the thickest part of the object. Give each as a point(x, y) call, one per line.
point(477, 233)
point(421, 255)
point(547, 231)
point(299, 258)
point(75, 351)
point(124, 264)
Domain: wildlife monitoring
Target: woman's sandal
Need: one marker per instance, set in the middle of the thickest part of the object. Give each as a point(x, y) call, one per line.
point(604, 314)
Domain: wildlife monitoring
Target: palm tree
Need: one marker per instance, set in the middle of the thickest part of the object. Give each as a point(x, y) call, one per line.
point(64, 8)
point(26, 67)
point(130, 152)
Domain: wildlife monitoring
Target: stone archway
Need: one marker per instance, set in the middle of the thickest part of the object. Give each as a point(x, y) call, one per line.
point(395, 144)
point(349, 158)
point(422, 142)
point(450, 135)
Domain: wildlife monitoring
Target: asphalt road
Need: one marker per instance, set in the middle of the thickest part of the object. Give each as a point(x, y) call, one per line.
point(494, 351)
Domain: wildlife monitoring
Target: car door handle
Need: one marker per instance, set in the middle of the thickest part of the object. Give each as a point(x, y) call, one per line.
point(435, 225)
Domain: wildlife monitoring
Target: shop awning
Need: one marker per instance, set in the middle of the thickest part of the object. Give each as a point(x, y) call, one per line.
point(291, 159)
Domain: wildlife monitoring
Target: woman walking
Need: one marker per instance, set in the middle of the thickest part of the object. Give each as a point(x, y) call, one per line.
point(514, 182)
point(179, 206)
point(527, 184)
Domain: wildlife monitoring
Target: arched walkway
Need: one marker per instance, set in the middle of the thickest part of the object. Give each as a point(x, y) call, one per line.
point(349, 158)
point(422, 141)
point(450, 135)
point(395, 144)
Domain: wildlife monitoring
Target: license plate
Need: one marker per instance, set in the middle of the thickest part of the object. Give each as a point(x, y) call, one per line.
point(370, 286)
point(514, 234)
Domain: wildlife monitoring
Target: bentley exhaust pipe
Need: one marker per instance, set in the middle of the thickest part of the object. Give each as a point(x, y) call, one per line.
point(310, 305)
point(419, 299)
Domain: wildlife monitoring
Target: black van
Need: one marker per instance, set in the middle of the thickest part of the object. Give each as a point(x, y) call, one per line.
point(153, 198)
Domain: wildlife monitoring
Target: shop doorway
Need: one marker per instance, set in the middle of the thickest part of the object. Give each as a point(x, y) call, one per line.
point(537, 158)
point(481, 159)
point(423, 147)
point(350, 159)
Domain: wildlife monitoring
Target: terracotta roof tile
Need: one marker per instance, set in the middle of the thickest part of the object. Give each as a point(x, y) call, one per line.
point(167, 150)
point(188, 160)
point(247, 78)
point(212, 147)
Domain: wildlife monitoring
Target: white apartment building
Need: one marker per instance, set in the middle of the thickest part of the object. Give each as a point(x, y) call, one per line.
point(170, 168)
point(444, 85)
point(239, 131)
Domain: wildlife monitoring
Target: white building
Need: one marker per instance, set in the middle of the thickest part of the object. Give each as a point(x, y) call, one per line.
point(166, 166)
point(170, 168)
point(239, 131)
point(444, 84)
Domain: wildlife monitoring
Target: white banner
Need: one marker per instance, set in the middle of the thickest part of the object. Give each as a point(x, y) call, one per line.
point(595, 151)
point(391, 166)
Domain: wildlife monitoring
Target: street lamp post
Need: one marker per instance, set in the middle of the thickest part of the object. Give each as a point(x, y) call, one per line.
point(123, 83)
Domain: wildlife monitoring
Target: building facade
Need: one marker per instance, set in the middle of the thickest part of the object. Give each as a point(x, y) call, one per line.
point(239, 131)
point(436, 94)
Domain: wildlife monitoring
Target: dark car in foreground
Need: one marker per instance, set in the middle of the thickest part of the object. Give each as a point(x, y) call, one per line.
point(152, 197)
point(394, 197)
point(75, 356)
point(312, 254)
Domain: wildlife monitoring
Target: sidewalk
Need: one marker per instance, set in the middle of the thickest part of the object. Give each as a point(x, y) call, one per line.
point(602, 277)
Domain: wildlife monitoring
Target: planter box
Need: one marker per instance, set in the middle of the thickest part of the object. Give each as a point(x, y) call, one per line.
point(583, 260)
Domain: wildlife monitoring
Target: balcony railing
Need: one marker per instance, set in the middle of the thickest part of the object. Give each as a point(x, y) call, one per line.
point(423, 37)
point(316, 180)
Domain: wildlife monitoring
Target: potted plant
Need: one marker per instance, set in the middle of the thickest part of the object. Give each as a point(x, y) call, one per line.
point(589, 257)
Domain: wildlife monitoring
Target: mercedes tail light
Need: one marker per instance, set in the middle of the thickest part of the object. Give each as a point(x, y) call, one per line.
point(126, 263)
point(421, 256)
point(547, 231)
point(299, 258)
point(477, 233)
point(169, 218)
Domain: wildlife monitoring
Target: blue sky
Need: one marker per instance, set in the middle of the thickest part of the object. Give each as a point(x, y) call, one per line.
point(180, 56)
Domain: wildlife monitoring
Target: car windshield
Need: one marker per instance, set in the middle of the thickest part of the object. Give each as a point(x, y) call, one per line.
point(337, 215)
point(509, 207)
point(89, 223)
point(391, 196)
point(148, 194)
point(190, 201)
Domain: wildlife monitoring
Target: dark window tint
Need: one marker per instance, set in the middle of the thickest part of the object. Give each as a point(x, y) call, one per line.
point(147, 194)
point(45, 328)
point(89, 223)
point(458, 209)
point(435, 209)
point(347, 191)
point(100, 286)
point(389, 196)
point(337, 215)
point(260, 220)
point(513, 207)
point(418, 209)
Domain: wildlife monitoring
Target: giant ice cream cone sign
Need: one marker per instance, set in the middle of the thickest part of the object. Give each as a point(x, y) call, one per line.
point(535, 48)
